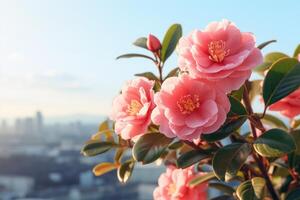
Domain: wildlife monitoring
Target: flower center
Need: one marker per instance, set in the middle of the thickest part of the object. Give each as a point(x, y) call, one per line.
point(134, 107)
point(217, 50)
point(171, 189)
point(188, 103)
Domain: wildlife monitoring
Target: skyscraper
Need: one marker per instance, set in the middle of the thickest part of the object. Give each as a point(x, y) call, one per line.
point(39, 122)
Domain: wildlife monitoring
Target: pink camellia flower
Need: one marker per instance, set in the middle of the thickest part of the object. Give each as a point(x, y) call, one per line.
point(187, 107)
point(299, 57)
point(220, 54)
point(132, 108)
point(153, 44)
point(174, 185)
point(288, 106)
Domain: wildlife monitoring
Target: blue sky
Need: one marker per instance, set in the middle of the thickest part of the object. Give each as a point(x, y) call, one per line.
point(58, 56)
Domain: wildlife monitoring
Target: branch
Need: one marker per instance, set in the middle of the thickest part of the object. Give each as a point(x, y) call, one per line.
point(258, 158)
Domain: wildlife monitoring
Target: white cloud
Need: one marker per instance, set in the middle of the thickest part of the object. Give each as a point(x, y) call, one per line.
point(26, 87)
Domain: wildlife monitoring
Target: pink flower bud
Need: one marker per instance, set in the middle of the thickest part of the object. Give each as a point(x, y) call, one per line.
point(299, 57)
point(153, 44)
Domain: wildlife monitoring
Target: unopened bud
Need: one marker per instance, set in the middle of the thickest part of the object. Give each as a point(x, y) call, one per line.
point(153, 44)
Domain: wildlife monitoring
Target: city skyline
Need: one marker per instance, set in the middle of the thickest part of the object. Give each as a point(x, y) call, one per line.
point(37, 122)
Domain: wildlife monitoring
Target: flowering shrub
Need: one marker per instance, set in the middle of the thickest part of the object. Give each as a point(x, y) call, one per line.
point(192, 119)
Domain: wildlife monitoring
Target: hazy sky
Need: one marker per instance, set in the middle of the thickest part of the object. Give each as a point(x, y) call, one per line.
point(58, 56)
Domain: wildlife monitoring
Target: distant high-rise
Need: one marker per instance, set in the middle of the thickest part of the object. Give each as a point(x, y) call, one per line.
point(39, 122)
point(3, 128)
point(18, 126)
point(29, 125)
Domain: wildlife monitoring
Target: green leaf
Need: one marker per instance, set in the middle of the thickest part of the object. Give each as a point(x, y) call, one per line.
point(175, 145)
point(150, 147)
point(293, 195)
point(170, 41)
point(272, 120)
point(103, 168)
point(262, 68)
point(223, 197)
point(274, 56)
point(135, 55)
point(201, 179)
point(93, 148)
point(282, 79)
point(238, 94)
point(236, 108)
point(297, 51)
point(173, 72)
point(235, 119)
point(294, 157)
point(226, 189)
point(104, 128)
point(253, 189)
point(296, 135)
point(148, 75)
point(125, 171)
point(189, 158)
point(118, 155)
point(141, 42)
point(264, 44)
point(228, 160)
point(274, 143)
point(296, 123)
point(259, 186)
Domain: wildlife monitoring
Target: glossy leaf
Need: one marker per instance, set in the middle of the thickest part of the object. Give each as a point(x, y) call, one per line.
point(141, 42)
point(228, 160)
point(93, 148)
point(262, 68)
point(103, 168)
point(224, 188)
point(201, 179)
point(296, 135)
point(282, 79)
point(135, 55)
point(253, 189)
point(235, 119)
point(150, 147)
point(148, 75)
point(274, 143)
point(294, 157)
point(105, 129)
point(173, 72)
point(274, 56)
point(296, 123)
point(297, 51)
point(264, 44)
point(238, 94)
point(272, 120)
point(175, 145)
point(118, 155)
point(189, 158)
point(125, 171)
point(170, 41)
point(223, 197)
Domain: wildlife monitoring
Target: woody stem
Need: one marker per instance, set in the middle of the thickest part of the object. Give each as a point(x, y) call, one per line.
point(258, 158)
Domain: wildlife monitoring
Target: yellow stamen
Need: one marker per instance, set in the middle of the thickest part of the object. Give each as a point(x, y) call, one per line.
point(217, 51)
point(171, 189)
point(188, 103)
point(134, 107)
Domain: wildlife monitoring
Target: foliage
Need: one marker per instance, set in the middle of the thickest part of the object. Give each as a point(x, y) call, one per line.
point(265, 163)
